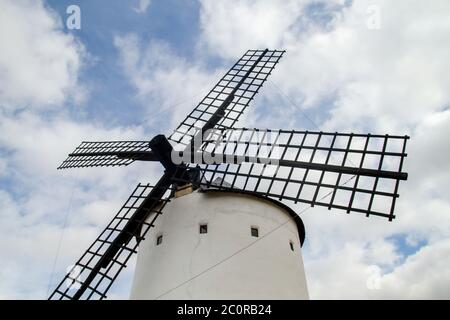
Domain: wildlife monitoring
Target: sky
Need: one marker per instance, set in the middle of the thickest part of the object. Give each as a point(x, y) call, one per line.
point(134, 69)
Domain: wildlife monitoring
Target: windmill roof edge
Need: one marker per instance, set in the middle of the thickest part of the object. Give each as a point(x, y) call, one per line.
point(298, 221)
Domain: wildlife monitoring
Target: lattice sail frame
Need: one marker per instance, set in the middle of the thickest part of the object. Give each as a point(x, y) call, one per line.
point(105, 153)
point(265, 62)
point(103, 280)
point(370, 185)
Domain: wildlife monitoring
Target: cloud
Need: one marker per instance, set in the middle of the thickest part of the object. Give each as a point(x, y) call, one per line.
point(346, 273)
point(423, 275)
point(142, 6)
point(165, 83)
point(39, 63)
point(389, 77)
point(35, 142)
point(41, 207)
point(36, 198)
point(229, 28)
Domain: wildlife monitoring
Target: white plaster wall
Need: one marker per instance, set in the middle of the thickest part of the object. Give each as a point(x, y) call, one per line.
point(227, 262)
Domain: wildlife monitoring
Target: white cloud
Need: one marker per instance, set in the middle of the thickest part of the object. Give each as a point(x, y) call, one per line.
point(391, 77)
point(39, 70)
point(423, 275)
point(38, 198)
point(46, 142)
point(345, 273)
point(39, 63)
point(165, 83)
point(142, 6)
point(231, 28)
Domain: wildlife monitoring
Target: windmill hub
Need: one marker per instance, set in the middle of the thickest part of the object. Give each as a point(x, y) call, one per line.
point(162, 149)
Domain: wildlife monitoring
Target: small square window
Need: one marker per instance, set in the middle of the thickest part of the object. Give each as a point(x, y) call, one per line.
point(203, 228)
point(254, 232)
point(291, 244)
point(159, 240)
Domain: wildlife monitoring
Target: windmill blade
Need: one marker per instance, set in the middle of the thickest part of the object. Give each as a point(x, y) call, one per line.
point(362, 154)
point(229, 98)
point(352, 172)
point(94, 273)
point(107, 153)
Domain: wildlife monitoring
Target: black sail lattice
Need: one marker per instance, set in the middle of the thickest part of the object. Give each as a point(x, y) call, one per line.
point(358, 172)
point(106, 153)
point(112, 264)
point(261, 63)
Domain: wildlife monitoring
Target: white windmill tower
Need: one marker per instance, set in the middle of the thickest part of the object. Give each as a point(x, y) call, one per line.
point(216, 244)
point(218, 228)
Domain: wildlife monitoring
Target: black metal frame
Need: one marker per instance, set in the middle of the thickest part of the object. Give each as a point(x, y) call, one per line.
point(371, 190)
point(102, 262)
point(229, 98)
point(107, 153)
point(286, 147)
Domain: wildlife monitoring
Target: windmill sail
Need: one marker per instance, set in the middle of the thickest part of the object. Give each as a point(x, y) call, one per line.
point(365, 154)
point(94, 273)
point(353, 172)
point(107, 153)
point(234, 91)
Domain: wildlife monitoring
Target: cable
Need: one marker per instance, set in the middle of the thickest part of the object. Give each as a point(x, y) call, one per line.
point(58, 249)
point(173, 104)
point(287, 98)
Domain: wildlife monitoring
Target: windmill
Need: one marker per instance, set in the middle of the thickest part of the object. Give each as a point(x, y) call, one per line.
point(206, 154)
